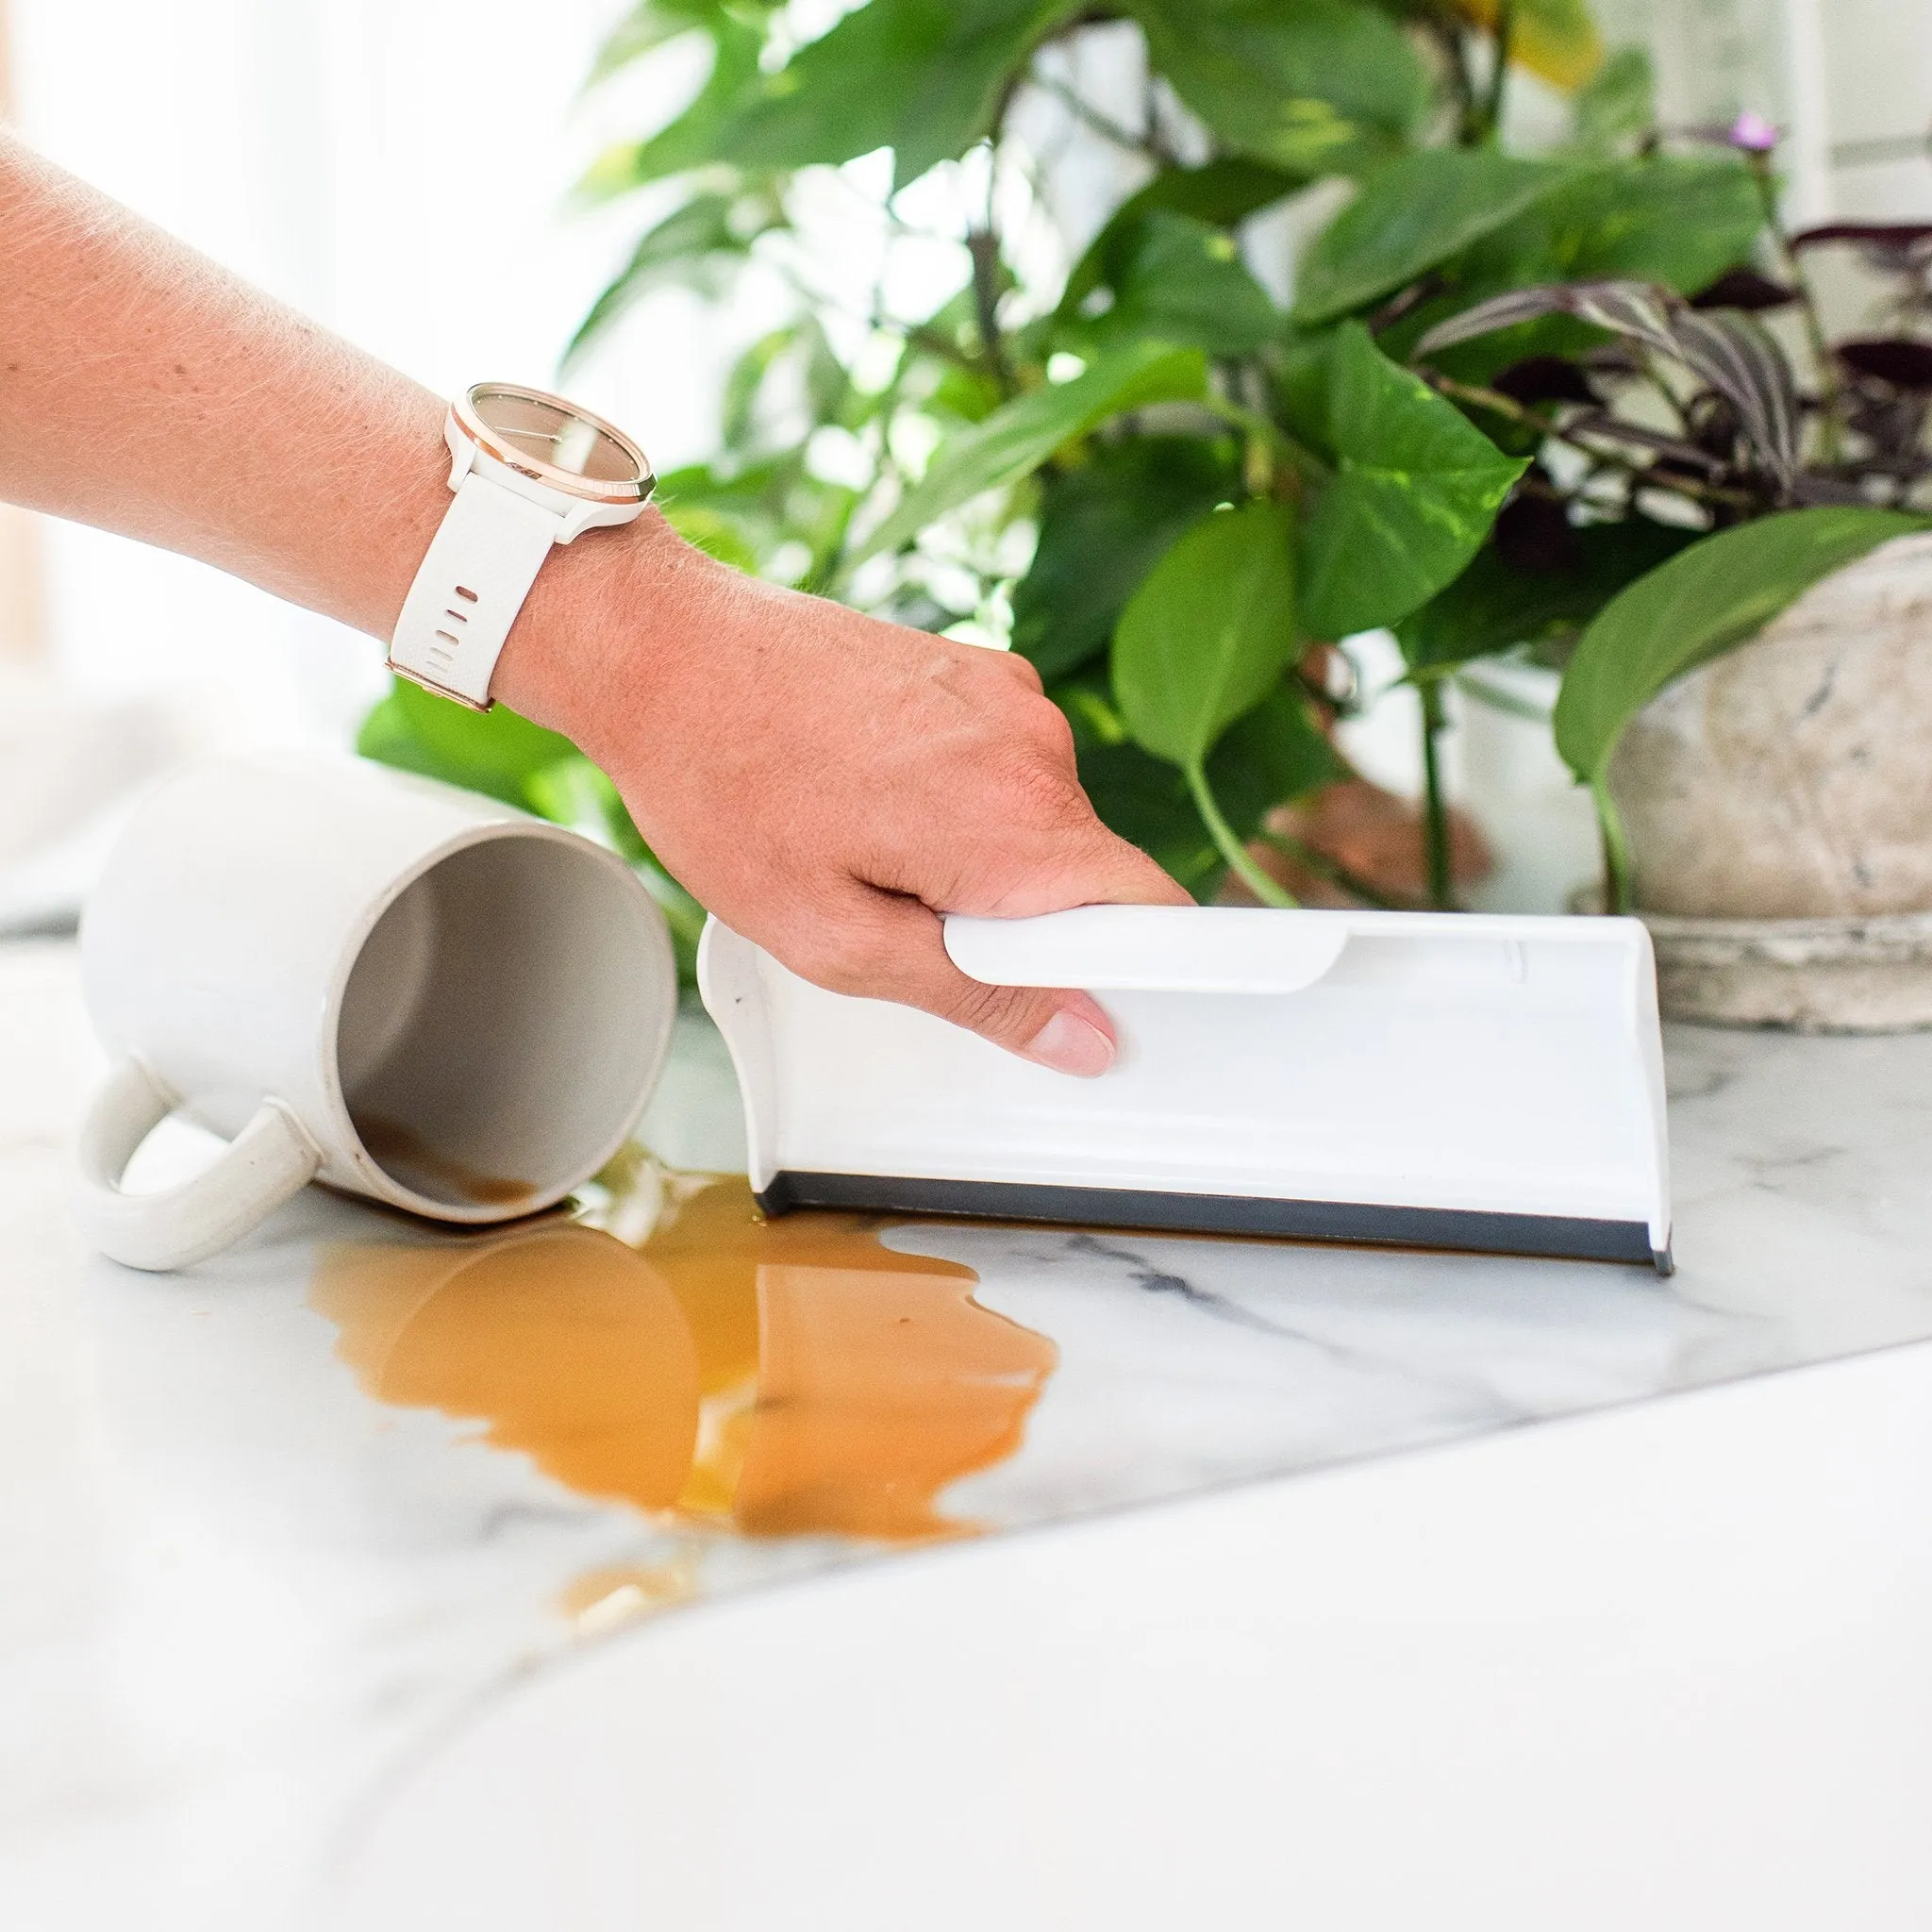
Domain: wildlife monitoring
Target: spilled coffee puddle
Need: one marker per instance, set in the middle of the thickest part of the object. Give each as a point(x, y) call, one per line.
point(783, 1378)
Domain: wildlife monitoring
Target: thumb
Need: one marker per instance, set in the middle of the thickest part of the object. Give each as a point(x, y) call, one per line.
point(900, 947)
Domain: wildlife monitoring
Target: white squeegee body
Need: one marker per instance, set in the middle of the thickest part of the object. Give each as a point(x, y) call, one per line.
point(1443, 1080)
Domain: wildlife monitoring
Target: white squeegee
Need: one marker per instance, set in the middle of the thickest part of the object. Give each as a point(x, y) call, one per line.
point(1429, 1079)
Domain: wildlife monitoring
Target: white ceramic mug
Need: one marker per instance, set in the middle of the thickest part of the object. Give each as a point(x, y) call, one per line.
point(365, 979)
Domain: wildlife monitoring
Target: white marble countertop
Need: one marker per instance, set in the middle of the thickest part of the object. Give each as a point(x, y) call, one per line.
point(308, 1557)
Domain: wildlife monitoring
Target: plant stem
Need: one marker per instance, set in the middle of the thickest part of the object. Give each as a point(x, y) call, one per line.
point(1155, 140)
point(1323, 866)
point(1404, 302)
point(1084, 111)
point(1469, 680)
point(1506, 34)
point(1609, 821)
point(1301, 461)
point(932, 340)
point(983, 245)
point(1830, 395)
point(918, 333)
point(1445, 30)
point(1434, 807)
point(1241, 861)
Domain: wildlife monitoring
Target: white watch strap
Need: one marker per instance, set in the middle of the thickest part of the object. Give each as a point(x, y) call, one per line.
point(474, 579)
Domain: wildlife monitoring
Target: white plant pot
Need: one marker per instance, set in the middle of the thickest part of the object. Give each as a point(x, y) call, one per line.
point(1778, 803)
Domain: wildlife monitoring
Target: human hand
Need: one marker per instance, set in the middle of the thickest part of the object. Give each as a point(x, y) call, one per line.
point(828, 784)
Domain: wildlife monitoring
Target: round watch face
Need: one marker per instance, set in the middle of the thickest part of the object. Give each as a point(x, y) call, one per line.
point(556, 442)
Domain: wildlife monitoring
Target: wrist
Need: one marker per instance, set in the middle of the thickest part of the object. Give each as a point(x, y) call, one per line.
point(601, 627)
point(532, 475)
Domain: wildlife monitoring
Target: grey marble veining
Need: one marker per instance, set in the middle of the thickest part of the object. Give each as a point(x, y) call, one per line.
point(234, 1590)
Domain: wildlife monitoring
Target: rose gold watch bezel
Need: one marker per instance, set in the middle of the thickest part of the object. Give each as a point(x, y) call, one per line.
point(588, 488)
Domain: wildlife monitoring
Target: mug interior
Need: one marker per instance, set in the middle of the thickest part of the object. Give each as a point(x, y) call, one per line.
point(503, 1023)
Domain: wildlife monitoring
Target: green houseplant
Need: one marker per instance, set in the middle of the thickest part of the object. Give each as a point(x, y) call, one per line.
point(1171, 491)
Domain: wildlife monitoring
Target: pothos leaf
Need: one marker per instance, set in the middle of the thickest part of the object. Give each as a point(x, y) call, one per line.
point(1618, 102)
point(1411, 215)
point(1415, 490)
point(1274, 755)
point(652, 23)
point(1016, 438)
point(1103, 525)
point(1676, 218)
point(1680, 219)
point(688, 246)
point(495, 752)
point(1494, 606)
point(1322, 87)
point(1148, 803)
point(709, 530)
point(1208, 633)
point(1178, 280)
point(1221, 193)
point(924, 78)
point(1706, 599)
point(699, 137)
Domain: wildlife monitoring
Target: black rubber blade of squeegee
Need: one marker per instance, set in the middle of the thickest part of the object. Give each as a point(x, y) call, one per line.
point(1560, 1237)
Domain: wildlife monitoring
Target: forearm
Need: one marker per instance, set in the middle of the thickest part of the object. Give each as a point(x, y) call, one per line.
point(145, 391)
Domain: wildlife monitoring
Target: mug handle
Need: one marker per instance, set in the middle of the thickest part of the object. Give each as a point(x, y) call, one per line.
point(269, 1160)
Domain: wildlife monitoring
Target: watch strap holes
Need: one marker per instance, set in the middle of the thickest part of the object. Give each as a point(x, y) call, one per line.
point(461, 617)
point(464, 591)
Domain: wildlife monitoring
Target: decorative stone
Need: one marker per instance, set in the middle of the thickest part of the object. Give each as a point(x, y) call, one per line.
point(1778, 803)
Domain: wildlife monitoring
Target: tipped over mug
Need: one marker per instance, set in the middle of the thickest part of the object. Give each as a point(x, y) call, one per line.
point(365, 979)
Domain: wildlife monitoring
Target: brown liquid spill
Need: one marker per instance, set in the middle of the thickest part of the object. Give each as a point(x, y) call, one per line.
point(780, 1378)
point(404, 1154)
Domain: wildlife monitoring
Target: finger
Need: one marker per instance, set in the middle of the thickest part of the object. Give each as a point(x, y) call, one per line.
point(1129, 877)
point(894, 948)
point(1092, 868)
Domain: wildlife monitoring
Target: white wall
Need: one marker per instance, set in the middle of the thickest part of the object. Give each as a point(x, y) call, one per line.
point(1850, 81)
point(1877, 101)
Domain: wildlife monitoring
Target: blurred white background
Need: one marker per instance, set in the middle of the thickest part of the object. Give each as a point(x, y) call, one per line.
point(401, 170)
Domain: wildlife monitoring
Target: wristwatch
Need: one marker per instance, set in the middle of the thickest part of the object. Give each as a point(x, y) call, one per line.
point(529, 470)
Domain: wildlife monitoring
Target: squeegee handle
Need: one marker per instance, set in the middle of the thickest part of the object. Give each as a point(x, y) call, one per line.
point(1152, 948)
